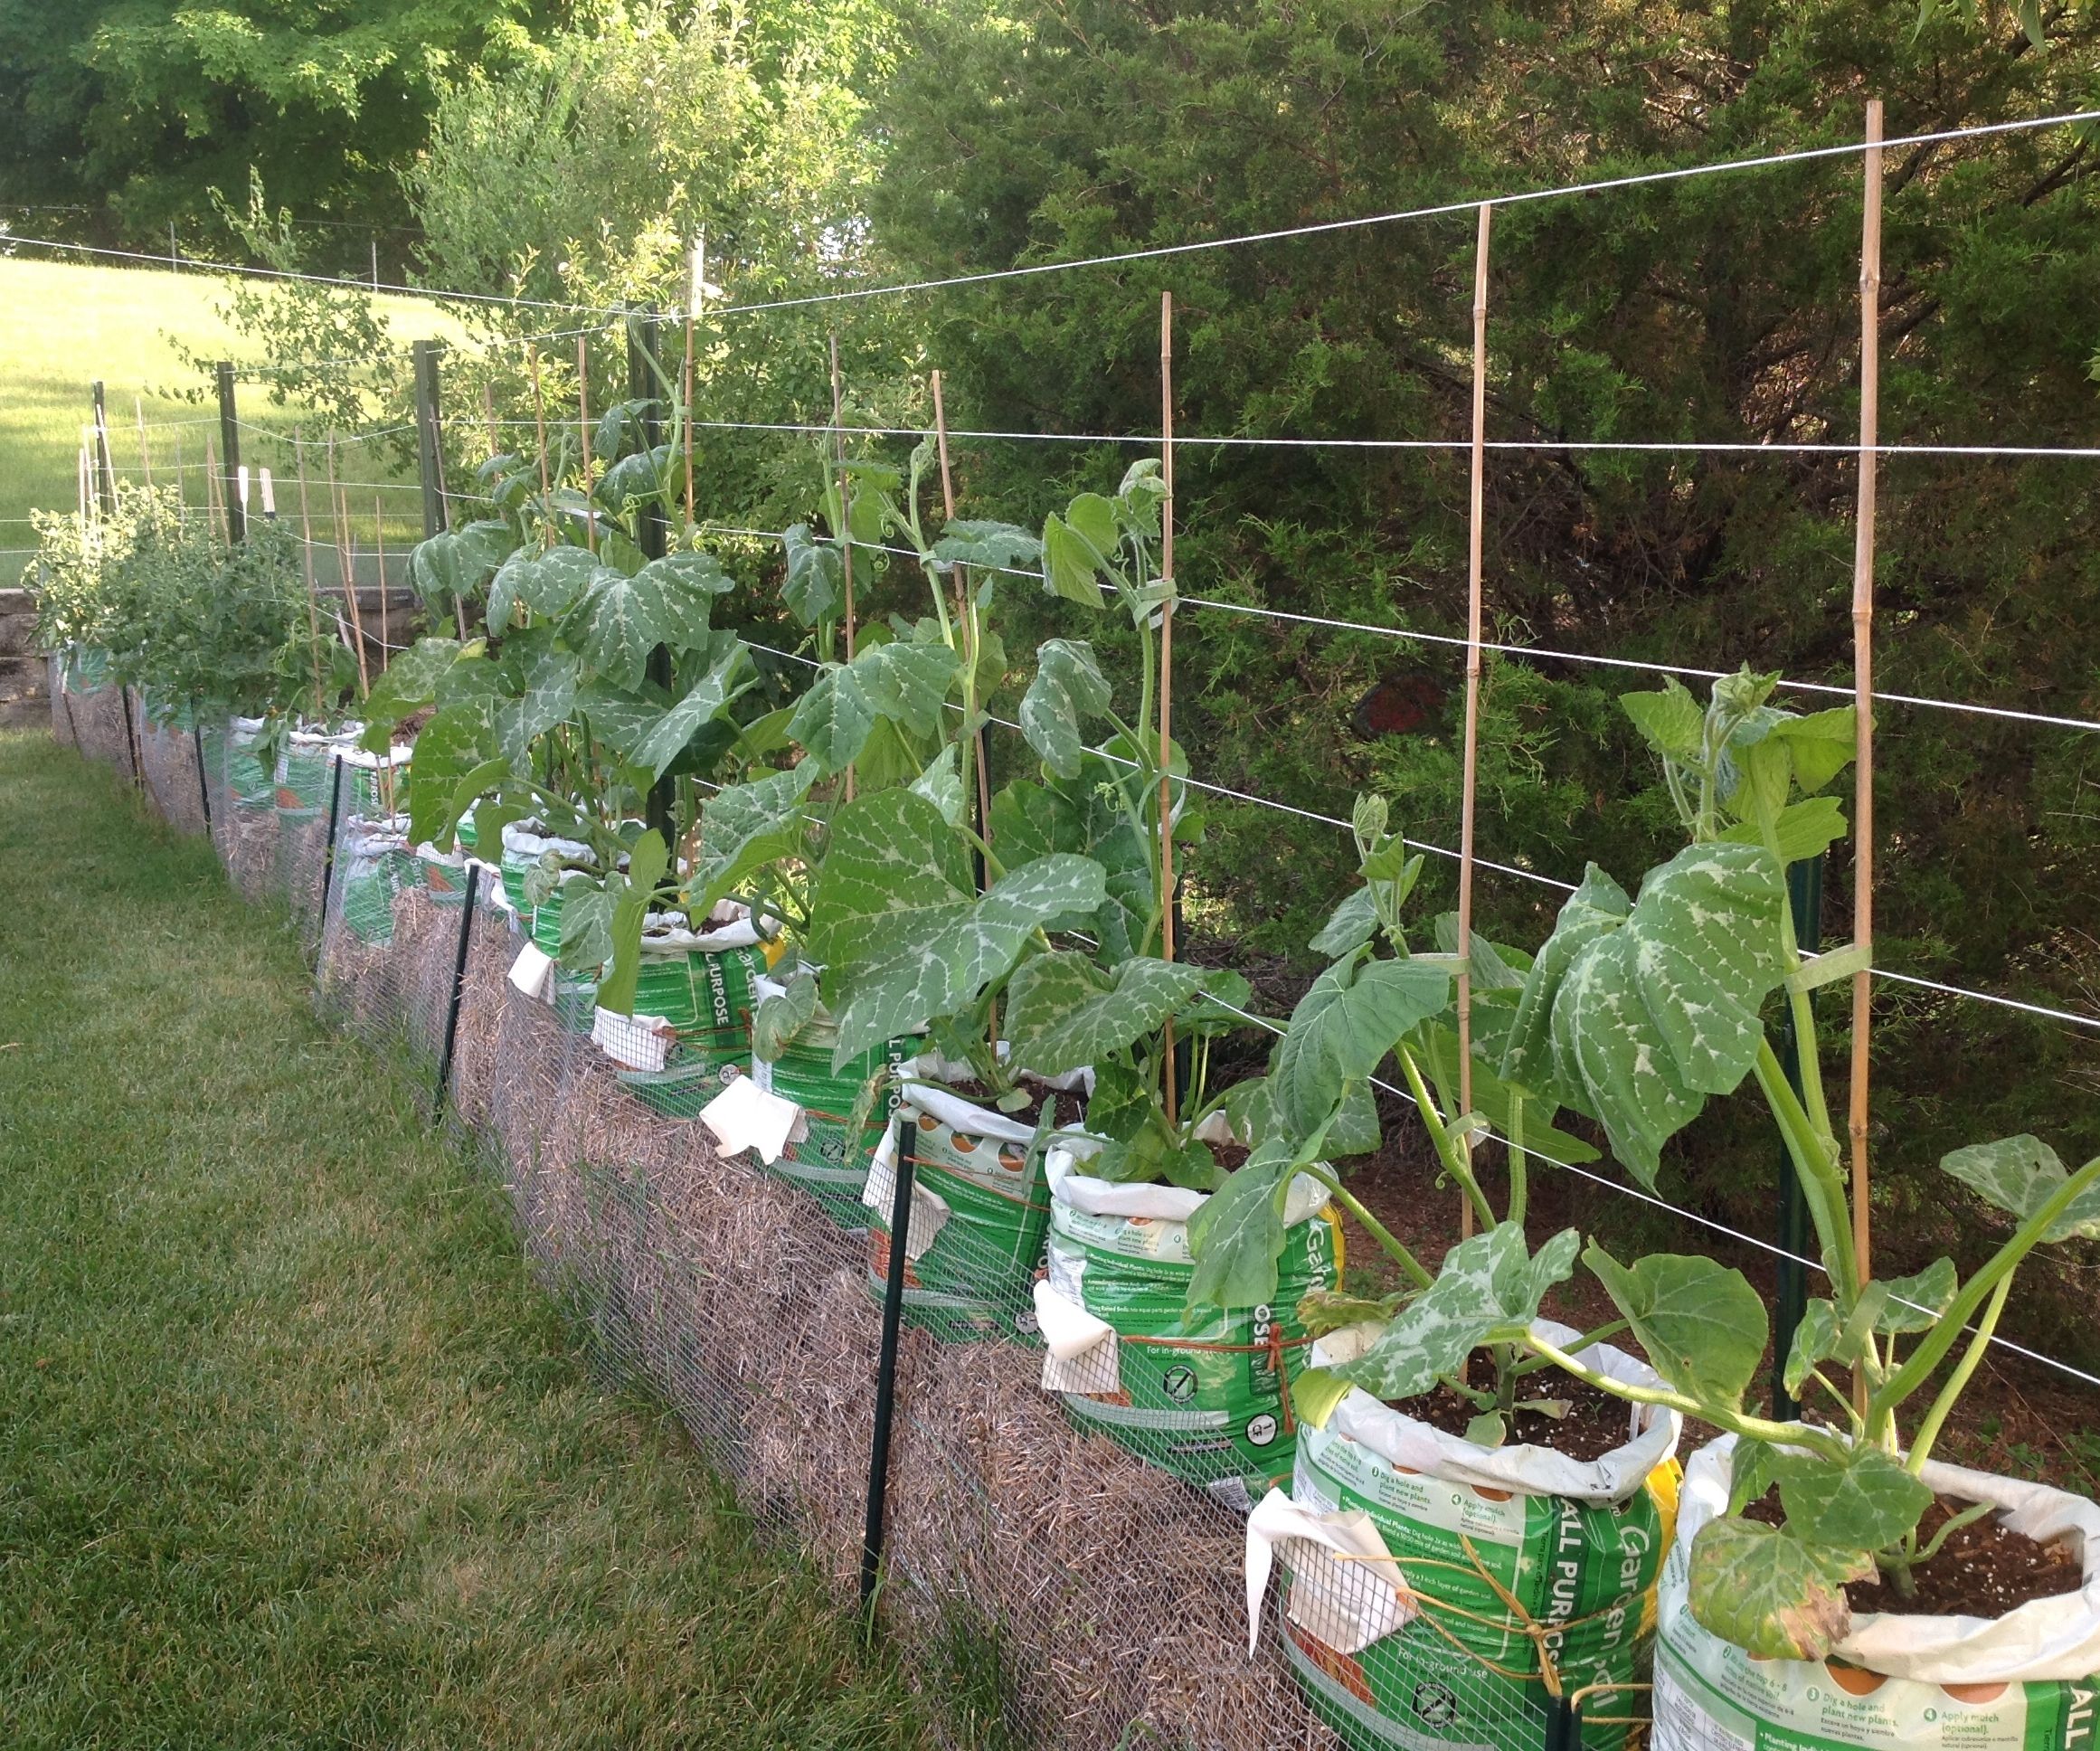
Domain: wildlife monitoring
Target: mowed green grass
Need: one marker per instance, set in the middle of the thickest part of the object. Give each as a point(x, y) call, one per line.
point(68, 325)
point(293, 1451)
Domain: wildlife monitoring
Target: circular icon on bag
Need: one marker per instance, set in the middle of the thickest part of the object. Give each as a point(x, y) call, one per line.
point(1024, 1323)
point(1262, 1429)
point(835, 1151)
point(1435, 1703)
point(728, 1073)
point(1178, 1384)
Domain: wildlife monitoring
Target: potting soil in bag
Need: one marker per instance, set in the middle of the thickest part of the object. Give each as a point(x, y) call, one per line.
point(2023, 1682)
point(374, 865)
point(703, 983)
point(980, 1209)
point(1210, 1402)
point(1577, 1544)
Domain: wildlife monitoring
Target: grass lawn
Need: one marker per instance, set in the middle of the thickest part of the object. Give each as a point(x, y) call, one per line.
point(68, 325)
point(294, 1452)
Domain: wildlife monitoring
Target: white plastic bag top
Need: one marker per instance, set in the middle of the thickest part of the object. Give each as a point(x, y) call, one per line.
point(397, 755)
point(1401, 1440)
point(533, 972)
point(2044, 1639)
point(1354, 1597)
point(967, 1116)
point(454, 859)
point(728, 926)
point(521, 842)
point(343, 738)
point(1091, 1196)
point(490, 887)
point(746, 1116)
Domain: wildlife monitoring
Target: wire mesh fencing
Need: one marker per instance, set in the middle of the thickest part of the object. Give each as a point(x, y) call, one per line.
point(1057, 1538)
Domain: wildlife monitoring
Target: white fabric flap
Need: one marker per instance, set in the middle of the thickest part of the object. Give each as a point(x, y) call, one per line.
point(1349, 1597)
point(930, 1210)
point(1153, 1203)
point(1068, 1328)
point(533, 971)
point(746, 1116)
point(636, 1041)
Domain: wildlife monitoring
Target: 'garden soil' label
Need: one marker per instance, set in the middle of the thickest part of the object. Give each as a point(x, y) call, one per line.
point(1583, 1572)
point(1210, 1402)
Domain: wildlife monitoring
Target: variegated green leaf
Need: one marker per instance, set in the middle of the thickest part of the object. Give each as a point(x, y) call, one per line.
point(1868, 1503)
point(1235, 1235)
point(782, 1015)
point(941, 785)
point(459, 739)
point(1063, 1012)
point(703, 701)
point(815, 583)
point(1068, 689)
point(1432, 1335)
point(1354, 1015)
point(833, 721)
point(1350, 925)
point(1915, 1302)
point(1598, 907)
point(745, 827)
point(2019, 1175)
point(619, 620)
point(999, 546)
point(549, 583)
point(1647, 1019)
point(550, 693)
point(1770, 1593)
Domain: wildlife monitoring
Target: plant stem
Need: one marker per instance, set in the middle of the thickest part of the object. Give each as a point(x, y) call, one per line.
point(1725, 1417)
point(1928, 1431)
point(1448, 1150)
point(1378, 1230)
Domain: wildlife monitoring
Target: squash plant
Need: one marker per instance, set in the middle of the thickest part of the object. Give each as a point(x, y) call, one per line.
point(1315, 1106)
point(1635, 1011)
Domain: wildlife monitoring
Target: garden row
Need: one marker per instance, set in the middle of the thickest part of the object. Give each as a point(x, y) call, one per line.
point(809, 922)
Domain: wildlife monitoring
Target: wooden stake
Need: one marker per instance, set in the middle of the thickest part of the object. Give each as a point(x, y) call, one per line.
point(1171, 1092)
point(1863, 682)
point(845, 510)
point(307, 554)
point(540, 424)
point(145, 453)
point(339, 513)
point(1474, 593)
point(213, 508)
point(583, 427)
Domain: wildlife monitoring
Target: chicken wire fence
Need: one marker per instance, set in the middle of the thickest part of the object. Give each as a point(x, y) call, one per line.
point(1063, 1540)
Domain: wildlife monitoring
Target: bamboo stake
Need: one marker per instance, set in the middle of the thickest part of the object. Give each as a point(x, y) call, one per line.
point(1474, 593)
point(695, 293)
point(540, 425)
point(145, 450)
point(1863, 682)
point(307, 554)
point(583, 429)
point(182, 490)
point(1171, 1092)
point(845, 510)
point(488, 419)
point(339, 513)
point(379, 549)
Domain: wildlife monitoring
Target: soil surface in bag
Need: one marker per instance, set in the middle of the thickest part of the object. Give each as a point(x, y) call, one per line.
point(1065, 1108)
point(1983, 1570)
point(1594, 1424)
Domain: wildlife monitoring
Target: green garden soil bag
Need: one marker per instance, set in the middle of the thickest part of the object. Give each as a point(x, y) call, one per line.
point(701, 985)
point(374, 866)
point(827, 1154)
point(443, 874)
point(2023, 1682)
point(246, 781)
point(306, 772)
point(980, 1209)
point(375, 784)
point(1209, 1402)
point(1577, 1543)
point(86, 669)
